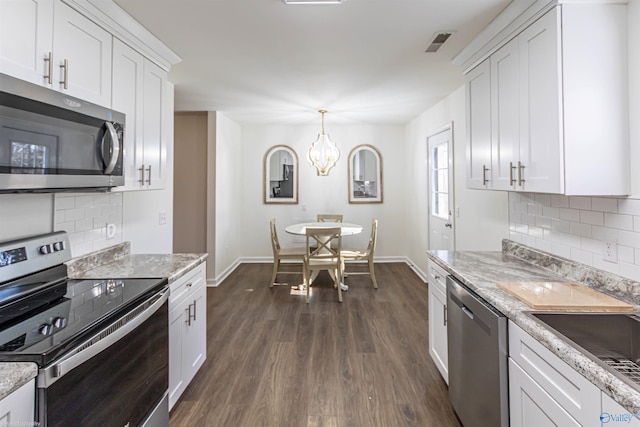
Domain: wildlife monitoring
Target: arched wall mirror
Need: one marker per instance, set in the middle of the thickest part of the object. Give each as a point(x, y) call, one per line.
point(365, 175)
point(281, 175)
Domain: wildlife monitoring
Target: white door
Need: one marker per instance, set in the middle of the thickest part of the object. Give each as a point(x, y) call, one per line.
point(441, 190)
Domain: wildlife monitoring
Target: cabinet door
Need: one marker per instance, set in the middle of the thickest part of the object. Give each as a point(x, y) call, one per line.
point(153, 150)
point(26, 28)
point(530, 405)
point(541, 147)
point(614, 413)
point(177, 383)
point(438, 330)
point(18, 408)
point(505, 127)
point(86, 48)
point(194, 338)
point(127, 98)
point(478, 96)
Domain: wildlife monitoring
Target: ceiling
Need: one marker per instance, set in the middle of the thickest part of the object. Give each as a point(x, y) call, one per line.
point(264, 62)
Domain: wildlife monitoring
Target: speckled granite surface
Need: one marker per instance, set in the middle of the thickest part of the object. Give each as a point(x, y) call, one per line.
point(117, 261)
point(480, 271)
point(14, 375)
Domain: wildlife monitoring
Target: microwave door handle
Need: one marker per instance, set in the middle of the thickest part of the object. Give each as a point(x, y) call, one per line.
point(114, 149)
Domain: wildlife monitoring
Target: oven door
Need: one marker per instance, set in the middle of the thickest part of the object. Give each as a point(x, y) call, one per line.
point(118, 378)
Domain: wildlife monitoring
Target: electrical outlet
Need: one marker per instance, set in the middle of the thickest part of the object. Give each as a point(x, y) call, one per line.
point(162, 218)
point(610, 251)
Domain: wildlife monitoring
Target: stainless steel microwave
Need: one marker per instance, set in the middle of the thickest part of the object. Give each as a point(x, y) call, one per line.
point(51, 142)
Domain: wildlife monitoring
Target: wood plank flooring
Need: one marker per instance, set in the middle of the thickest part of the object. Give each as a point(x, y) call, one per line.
point(273, 360)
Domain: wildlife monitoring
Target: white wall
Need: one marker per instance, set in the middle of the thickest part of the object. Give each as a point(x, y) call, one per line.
point(230, 230)
point(25, 214)
point(483, 221)
point(328, 194)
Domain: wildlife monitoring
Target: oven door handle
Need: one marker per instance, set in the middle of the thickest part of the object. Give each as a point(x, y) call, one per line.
point(87, 350)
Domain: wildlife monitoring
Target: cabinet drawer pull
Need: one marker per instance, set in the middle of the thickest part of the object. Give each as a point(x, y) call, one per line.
point(65, 74)
point(149, 179)
point(485, 169)
point(512, 180)
point(188, 313)
point(49, 61)
point(190, 284)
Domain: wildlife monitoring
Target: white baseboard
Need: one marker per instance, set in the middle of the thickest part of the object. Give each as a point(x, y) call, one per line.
point(261, 260)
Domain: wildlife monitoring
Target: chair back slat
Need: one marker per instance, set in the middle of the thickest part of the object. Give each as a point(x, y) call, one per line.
point(275, 244)
point(329, 217)
point(323, 243)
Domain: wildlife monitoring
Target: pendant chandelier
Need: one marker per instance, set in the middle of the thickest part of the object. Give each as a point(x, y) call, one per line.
point(323, 154)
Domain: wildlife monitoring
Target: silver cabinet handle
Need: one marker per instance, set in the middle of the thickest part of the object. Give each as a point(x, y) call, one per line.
point(114, 149)
point(65, 74)
point(520, 174)
point(188, 313)
point(149, 179)
point(448, 225)
point(194, 310)
point(49, 60)
point(141, 169)
point(444, 315)
point(512, 180)
point(485, 169)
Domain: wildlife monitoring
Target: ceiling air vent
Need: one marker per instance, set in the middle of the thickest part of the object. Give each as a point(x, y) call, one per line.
point(438, 41)
point(312, 1)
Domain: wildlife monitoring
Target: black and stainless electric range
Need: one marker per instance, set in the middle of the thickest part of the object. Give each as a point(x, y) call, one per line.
point(101, 345)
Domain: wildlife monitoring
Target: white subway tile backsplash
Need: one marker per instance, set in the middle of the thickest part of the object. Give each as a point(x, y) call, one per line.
point(591, 217)
point(621, 222)
point(604, 205)
point(580, 203)
point(85, 218)
point(559, 201)
point(629, 206)
point(575, 228)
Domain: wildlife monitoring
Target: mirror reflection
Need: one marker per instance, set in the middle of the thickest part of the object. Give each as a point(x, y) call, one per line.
point(280, 175)
point(365, 175)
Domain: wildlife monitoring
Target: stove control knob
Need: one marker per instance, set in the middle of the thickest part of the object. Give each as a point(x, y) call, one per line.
point(58, 246)
point(46, 329)
point(46, 249)
point(59, 322)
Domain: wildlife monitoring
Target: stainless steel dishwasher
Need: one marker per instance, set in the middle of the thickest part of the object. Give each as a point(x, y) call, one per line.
point(478, 358)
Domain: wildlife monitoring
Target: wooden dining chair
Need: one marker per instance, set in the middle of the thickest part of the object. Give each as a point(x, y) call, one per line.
point(323, 253)
point(280, 253)
point(365, 254)
point(329, 217)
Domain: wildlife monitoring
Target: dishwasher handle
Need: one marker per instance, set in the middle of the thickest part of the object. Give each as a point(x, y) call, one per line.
point(466, 311)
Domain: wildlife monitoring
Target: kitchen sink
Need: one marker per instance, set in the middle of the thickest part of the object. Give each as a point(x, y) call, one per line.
point(612, 340)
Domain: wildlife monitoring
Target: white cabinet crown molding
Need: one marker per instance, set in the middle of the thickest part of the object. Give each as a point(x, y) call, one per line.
point(509, 23)
point(114, 19)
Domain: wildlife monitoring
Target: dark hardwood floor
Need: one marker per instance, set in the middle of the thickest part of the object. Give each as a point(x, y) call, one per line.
point(273, 360)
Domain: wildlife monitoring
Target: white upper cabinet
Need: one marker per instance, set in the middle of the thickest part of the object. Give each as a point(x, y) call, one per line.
point(82, 56)
point(478, 95)
point(26, 30)
point(48, 43)
point(139, 91)
point(558, 89)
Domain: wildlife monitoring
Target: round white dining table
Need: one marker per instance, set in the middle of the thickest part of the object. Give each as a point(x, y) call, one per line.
point(346, 229)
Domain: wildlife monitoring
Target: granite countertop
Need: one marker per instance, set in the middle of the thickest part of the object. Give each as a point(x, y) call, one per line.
point(481, 270)
point(118, 262)
point(14, 375)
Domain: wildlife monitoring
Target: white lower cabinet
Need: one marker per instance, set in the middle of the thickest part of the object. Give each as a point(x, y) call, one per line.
point(18, 408)
point(438, 319)
point(187, 330)
point(614, 414)
point(544, 390)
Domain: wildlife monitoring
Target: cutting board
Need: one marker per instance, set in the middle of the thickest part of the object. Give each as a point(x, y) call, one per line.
point(562, 296)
